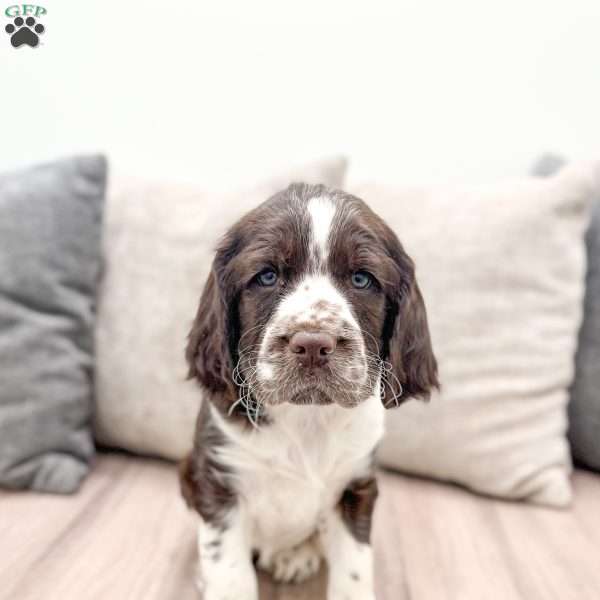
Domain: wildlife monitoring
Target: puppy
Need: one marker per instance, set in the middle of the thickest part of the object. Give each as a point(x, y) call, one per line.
point(311, 323)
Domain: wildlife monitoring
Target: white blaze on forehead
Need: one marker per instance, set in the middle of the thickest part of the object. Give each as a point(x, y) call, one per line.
point(321, 210)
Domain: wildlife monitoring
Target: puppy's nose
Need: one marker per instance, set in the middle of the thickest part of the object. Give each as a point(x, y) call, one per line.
point(312, 348)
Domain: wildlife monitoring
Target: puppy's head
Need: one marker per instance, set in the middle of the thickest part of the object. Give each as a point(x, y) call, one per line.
point(311, 300)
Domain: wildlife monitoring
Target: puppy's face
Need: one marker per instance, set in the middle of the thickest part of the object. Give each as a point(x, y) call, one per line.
point(313, 311)
point(311, 300)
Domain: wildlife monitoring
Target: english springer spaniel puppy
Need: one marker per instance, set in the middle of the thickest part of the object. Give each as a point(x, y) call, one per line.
point(311, 323)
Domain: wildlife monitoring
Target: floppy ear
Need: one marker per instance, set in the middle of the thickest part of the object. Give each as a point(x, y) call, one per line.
point(407, 346)
point(207, 352)
point(212, 342)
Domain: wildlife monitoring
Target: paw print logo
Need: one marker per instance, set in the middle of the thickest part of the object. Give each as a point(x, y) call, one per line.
point(24, 32)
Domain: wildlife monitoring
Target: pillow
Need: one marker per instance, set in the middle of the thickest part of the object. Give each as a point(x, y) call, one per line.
point(159, 243)
point(502, 271)
point(50, 222)
point(584, 405)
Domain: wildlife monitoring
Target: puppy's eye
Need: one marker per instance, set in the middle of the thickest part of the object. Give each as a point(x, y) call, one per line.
point(267, 278)
point(362, 280)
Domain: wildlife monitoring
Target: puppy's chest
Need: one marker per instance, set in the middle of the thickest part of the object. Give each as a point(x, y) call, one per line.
point(297, 469)
point(287, 494)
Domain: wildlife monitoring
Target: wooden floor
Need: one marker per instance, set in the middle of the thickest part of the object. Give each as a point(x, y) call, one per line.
point(127, 536)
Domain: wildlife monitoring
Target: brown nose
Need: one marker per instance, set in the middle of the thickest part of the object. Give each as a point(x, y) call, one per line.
point(312, 348)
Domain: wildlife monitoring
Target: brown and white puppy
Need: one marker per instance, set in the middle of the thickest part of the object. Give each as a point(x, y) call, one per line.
point(311, 323)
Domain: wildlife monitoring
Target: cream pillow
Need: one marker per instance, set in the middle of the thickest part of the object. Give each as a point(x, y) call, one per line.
point(502, 272)
point(158, 248)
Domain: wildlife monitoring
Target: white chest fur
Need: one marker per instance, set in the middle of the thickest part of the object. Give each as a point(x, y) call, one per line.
point(290, 472)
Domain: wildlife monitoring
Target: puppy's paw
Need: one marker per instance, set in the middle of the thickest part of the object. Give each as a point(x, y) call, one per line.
point(294, 565)
point(227, 584)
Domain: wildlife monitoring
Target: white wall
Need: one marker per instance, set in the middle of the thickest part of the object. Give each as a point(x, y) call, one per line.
point(218, 93)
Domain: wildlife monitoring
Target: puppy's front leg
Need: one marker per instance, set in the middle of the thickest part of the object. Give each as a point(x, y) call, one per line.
point(226, 570)
point(345, 535)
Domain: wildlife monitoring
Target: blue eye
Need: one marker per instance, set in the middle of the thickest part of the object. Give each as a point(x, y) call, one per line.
point(267, 278)
point(361, 280)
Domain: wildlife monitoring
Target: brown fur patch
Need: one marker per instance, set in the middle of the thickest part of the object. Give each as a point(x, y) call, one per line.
point(205, 482)
point(356, 506)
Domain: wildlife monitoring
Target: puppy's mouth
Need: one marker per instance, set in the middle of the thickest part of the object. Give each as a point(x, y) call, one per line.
point(300, 386)
point(292, 384)
point(310, 396)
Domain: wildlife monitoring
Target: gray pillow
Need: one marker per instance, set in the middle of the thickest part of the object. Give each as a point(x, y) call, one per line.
point(584, 405)
point(50, 226)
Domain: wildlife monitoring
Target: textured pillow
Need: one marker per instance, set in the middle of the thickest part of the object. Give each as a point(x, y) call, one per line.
point(584, 406)
point(159, 243)
point(50, 222)
point(502, 271)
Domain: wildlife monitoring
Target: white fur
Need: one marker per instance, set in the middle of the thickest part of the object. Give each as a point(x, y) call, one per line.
point(287, 484)
point(264, 370)
point(311, 290)
point(322, 212)
point(350, 563)
point(225, 569)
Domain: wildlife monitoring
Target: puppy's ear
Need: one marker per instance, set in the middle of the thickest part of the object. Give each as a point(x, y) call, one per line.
point(407, 344)
point(207, 353)
point(212, 338)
